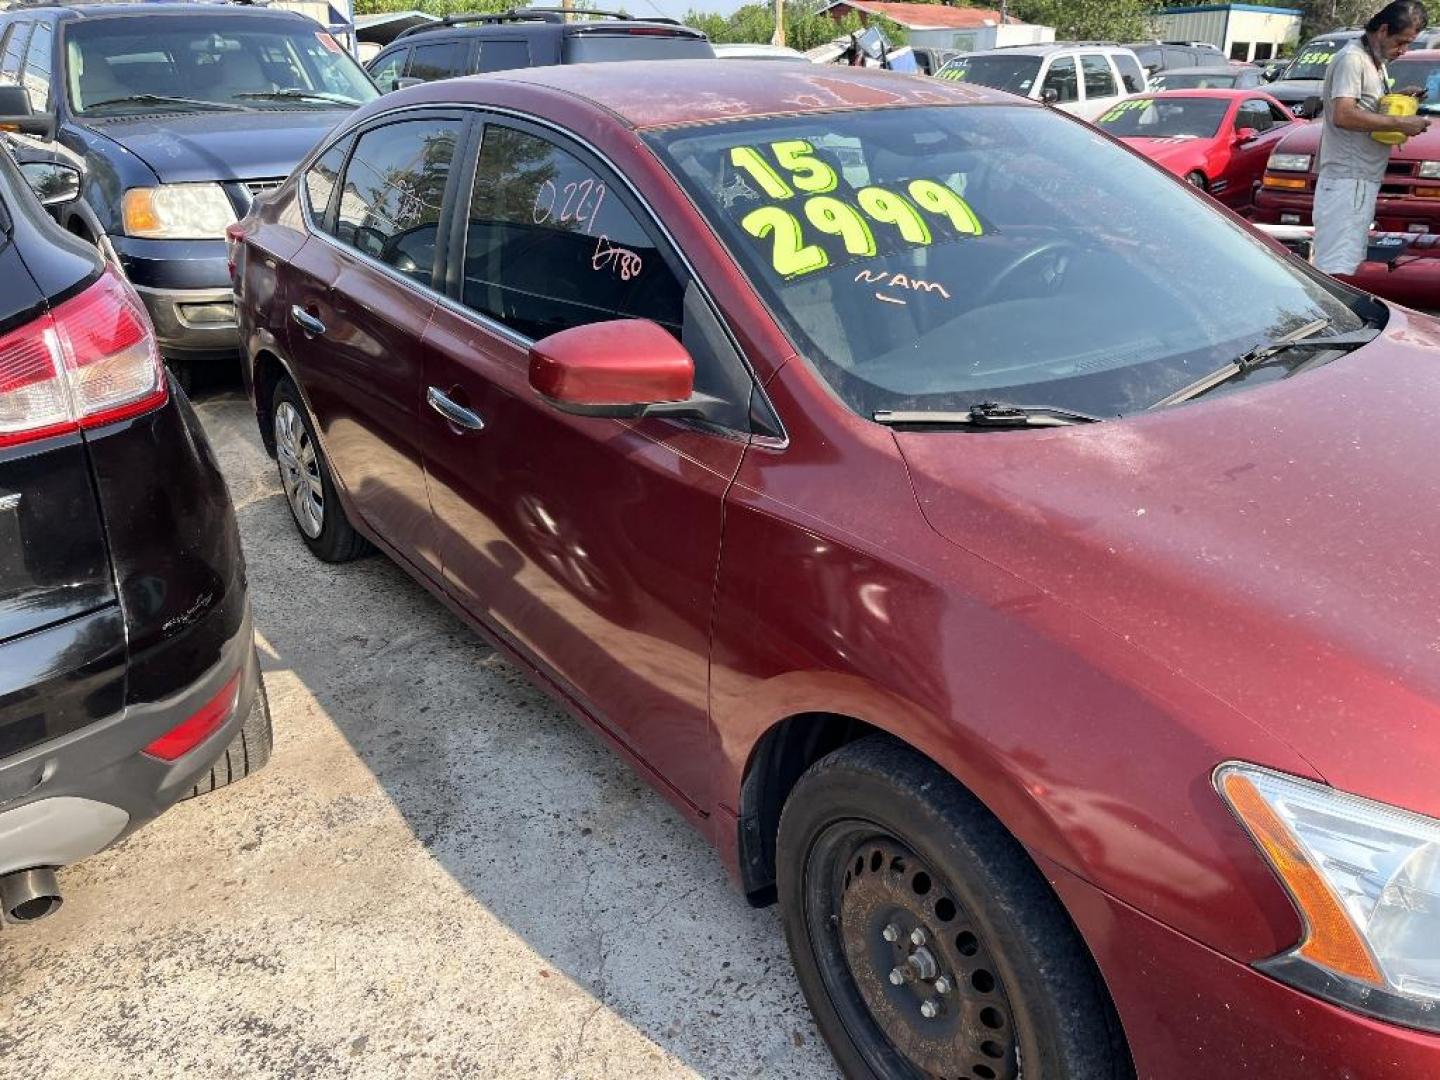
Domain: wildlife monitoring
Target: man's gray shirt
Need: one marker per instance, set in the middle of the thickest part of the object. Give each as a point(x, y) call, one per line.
point(1353, 155)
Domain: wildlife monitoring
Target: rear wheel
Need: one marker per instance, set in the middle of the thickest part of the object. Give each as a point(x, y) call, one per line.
point(305, 476)
point(925, 940)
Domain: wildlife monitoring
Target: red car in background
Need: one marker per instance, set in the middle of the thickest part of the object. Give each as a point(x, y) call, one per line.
point(986, 541)
point(1409, 199)
point(1217, 140)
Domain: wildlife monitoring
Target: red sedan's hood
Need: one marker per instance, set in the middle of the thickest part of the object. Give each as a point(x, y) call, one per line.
point(1279, 546)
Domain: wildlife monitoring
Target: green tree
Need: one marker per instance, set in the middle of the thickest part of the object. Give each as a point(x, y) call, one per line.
point(1091, 20)
point(804, 29)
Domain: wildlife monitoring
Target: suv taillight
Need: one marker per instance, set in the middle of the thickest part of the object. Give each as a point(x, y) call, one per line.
point(90, 361)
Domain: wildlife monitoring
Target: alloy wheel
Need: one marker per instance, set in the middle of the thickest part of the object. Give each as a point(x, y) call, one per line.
point(299, 470)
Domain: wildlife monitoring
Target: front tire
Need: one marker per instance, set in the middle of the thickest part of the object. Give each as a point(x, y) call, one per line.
point(1197, 179)
point(305, 477)
point(925, 940)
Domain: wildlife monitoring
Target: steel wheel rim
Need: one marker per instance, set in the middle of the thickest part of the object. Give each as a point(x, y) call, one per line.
point(855, 894)
point(299, 470)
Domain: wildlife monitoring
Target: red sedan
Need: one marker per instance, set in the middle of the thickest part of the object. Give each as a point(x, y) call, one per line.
point(900, 477)
point(1217, 140)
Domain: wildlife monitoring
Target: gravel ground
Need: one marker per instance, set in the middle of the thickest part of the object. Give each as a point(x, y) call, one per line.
point(439, 874)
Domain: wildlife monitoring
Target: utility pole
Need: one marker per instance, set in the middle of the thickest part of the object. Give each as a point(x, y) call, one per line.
point(778, 38)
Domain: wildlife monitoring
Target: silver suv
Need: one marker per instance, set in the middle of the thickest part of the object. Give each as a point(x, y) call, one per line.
point(1079, 77)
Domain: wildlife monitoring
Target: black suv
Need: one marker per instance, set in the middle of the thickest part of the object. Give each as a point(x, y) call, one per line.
point(1158, 56)
point(1305, 75)
point(532, 37)
point(128, 674)
point(178, 116)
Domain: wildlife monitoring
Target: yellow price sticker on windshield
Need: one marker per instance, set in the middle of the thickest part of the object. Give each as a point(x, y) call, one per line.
point(1122, 108)
point(1320, 57)
point(791, 253)
point(955, 74)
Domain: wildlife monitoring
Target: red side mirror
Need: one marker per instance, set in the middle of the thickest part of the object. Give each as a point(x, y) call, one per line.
point(624, 368)
point(1246, 135)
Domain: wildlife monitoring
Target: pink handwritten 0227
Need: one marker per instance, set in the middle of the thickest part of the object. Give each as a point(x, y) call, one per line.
point(622, 260)
point(577, 195)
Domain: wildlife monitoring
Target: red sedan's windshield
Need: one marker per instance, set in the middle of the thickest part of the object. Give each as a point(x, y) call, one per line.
point(931, 258)
point(1165, 118)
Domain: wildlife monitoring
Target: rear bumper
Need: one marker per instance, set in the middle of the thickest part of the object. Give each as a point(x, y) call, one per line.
point(1190, 1013)
point(71, 797)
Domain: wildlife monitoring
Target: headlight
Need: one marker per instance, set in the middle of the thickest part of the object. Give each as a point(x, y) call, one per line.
point(1366, 880)
point(1289, 163)
point(1429, 169)
point(177, 212)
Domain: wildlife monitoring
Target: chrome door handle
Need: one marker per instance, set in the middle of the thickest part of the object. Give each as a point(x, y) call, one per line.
point(456, 414)
point(307, 322)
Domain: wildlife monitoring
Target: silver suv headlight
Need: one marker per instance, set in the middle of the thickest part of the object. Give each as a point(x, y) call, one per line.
point(1365, 878)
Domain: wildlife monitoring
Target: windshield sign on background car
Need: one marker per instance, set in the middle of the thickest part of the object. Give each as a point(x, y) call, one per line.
point(1013, 73)
point(931, 258)
point(1313, 60)
point(136, 64)
point(1164, 118)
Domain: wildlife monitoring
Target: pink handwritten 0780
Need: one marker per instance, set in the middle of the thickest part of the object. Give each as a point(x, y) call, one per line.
point(622, 260)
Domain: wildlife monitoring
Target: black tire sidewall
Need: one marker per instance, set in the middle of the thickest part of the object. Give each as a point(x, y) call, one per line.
point(1038, 955)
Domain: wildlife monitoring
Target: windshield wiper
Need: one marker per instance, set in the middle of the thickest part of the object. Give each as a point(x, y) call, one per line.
point(1266, 353)
point(297, 95)
point(988, 414)
point(160, 99)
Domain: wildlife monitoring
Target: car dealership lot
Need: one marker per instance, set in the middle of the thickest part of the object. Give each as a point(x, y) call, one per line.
point(438, 874)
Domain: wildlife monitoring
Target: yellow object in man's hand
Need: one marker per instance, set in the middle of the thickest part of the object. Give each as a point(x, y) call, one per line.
point(1395, 105)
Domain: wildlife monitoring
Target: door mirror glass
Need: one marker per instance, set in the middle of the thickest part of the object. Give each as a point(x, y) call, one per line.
point(1246, 135)
point(1050, 95)
point(619, 368)
point(52, 182)
point(407, 81)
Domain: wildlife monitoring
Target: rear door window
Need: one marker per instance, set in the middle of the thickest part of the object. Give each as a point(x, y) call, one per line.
point(320, 181)
point(14, 52)
point(550, 244)
point(36, 76)
point(443, 60)
point(393, 190)
point(1099, 79)
point(503, 55)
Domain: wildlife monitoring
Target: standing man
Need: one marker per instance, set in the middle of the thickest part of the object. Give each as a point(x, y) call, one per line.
point(1352, 164)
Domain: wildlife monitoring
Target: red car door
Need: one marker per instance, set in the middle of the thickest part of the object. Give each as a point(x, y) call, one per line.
point(589, 543)
point(359, 304)
point(1247, 160)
